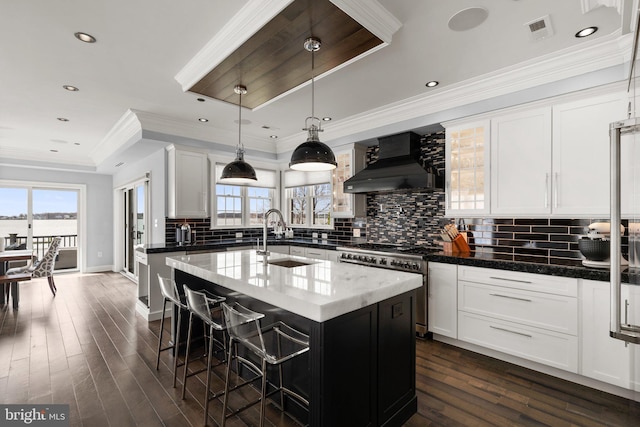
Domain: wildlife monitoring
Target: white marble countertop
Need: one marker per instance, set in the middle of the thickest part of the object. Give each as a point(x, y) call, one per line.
point(319, 291)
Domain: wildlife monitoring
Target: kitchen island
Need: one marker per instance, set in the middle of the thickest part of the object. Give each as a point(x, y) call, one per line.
point(360, 370)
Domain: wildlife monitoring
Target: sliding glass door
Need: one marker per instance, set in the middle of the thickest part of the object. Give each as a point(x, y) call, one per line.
point(31, 216)
point(134, 202)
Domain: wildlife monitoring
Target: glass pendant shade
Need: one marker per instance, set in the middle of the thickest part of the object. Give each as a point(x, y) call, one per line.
point(238, 172)
point(312, 155)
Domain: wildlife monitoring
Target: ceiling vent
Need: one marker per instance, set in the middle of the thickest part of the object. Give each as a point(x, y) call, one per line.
point(540, 28)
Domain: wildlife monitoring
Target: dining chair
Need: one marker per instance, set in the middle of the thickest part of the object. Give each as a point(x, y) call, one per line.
point(43, 267)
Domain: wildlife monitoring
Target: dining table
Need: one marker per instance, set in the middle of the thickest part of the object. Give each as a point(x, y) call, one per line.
point(5, 257)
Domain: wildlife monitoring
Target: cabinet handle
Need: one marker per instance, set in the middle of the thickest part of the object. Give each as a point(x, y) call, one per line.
point(546, 190)
point(510, 280)
point(626, 312)
point(512, 332)
point(509, 297)
point(555, 191)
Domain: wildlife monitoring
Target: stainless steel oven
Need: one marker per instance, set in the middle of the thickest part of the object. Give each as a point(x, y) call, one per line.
point(394, 257)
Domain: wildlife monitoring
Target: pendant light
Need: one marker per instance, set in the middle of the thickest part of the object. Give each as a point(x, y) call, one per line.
point(312, 155)
point(239, 172)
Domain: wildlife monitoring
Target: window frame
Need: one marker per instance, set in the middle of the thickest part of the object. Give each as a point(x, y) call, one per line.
point(245, 199)
point(309, 206)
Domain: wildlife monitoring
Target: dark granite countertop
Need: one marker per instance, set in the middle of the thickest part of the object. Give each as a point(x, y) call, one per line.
point(569, 268)
point(221, 245)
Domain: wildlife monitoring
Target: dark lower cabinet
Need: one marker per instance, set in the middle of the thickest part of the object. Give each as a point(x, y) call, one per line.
point(360, 370)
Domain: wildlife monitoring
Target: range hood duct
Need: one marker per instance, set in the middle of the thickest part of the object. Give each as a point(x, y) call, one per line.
point(398, 168)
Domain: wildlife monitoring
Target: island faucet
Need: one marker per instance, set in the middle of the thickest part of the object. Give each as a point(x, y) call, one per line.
point(264, 250)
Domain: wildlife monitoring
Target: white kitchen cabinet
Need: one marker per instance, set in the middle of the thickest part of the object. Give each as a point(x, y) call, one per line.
point(603, 358)
point(531, 316)
point(467, 168)
point(187, 183)
point(316, 253)
point(521, 163)
point(580, 169)
point(297, 250)
point(279, 249)
point(442, 299)
point(350, 161)
point(149, 302)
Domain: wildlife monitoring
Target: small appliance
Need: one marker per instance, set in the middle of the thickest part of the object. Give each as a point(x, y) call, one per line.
point(596, 245)
point(183, 234)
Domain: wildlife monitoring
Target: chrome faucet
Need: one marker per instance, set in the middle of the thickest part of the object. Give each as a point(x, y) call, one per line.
point(264, 250)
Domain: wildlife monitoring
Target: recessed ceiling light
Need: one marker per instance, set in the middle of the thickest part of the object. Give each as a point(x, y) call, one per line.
point(63, 119)
point(586, 32)
point(200, 99)
point(70, 88)
point(203, 120)
point(326, 119)
point(273, 136)
point(432, 83)
point(84, 37)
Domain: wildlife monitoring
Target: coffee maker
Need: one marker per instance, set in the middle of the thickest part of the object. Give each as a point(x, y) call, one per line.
point(183, 234)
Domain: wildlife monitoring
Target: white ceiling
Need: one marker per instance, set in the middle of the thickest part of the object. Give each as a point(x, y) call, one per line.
point(142, 45)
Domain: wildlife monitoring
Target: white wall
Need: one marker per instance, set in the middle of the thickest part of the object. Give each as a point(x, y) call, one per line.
point(99, 208)
point(132, 171)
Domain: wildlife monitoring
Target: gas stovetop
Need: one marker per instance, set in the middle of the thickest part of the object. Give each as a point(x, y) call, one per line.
point(391, 248)
point(384, 255)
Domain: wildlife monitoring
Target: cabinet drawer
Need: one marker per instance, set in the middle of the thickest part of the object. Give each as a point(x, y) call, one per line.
point(141, 257)
point(547, 347)
point(514, 279)
point(315, 253)
point(553, 312)
point(296, 250)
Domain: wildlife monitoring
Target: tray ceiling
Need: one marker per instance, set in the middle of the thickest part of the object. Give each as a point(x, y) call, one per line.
point(274, 61)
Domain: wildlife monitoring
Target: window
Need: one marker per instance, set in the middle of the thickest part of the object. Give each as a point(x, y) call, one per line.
point(228, 209)
point(260, 201)
point(242, 206)
point(309, 205)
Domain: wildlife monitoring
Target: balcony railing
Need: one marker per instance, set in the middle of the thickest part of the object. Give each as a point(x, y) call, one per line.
point(41, 243)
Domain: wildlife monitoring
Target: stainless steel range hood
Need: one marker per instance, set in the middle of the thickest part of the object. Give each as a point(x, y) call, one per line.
point(398, 168)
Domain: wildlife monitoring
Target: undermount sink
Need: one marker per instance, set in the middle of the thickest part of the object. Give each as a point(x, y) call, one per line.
point(289, 263)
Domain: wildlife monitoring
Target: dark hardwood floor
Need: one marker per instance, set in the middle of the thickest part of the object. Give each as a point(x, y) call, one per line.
point(88, 348)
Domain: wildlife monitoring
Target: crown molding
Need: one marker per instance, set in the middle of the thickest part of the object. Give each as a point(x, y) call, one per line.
point(372, 16)
point(124, 131)
point(244, 24)
point(200, 131)
point(607, 51)
point(33, 159)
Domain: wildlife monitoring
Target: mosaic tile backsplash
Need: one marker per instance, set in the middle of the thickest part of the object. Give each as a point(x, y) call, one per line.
point(342, 232)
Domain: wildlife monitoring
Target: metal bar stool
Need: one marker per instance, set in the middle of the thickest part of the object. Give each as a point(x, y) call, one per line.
point(205, 306)
point(273, 344)
point(170, 294)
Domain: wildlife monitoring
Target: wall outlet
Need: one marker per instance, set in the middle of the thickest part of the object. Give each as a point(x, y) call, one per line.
point(356, 232)
point(99, 254)
point(239, 235)
point(314, 235)
point(325, 236)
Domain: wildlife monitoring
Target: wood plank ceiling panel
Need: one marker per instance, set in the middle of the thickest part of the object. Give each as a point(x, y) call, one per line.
point(274, 60)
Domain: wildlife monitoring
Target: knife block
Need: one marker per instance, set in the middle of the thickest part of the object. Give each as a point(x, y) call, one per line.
point(459, 245)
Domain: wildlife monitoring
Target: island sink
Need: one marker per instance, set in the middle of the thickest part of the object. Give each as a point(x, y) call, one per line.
point(289, 263)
